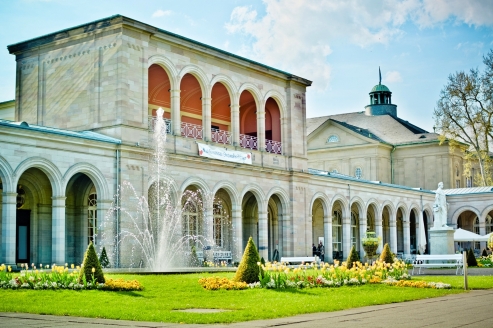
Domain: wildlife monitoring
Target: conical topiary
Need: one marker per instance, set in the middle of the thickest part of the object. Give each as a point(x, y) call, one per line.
point(471, 259)
point(352, 258)
point(248, 270)
point(91, 261)
point(386, 255)
point(103, 259)
point(484, 252)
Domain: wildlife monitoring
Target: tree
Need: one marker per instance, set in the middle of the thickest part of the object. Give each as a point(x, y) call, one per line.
point(386, 255)
point(352, 258)
point(103, 259)
point(91, 266)
point(249, 269)
point(463, 117)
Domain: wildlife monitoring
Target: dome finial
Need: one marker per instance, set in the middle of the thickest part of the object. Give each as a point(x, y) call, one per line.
point(379, 76)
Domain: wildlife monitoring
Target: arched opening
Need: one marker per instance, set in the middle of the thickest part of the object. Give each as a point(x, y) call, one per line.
point(220, 114)
point(191, 107)
point(317, 226)
point(274, 219)
point(371, 214)
point(337, 240)
point(355, 228)
point(159, 95)
point(193, 218)
point(413, 225)
point(222, 223)
point(248, 121)
point(33, 218)
point(250, 219)
point(386, 226)
point(468, 220)
point(81, 213)
point(272, 127)
point(400, 231)
point(425, 222)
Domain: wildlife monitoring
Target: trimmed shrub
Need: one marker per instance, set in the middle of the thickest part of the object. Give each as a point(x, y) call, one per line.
point(103, 259)
point(484, 253)
point(352, 258)
point(471, 259)
point(90, 262)
point(248, 270)
point(386, 255)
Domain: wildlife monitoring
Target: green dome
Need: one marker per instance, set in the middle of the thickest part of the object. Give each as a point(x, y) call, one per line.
point(380, 87)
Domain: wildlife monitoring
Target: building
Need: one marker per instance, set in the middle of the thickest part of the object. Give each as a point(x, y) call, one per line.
point(85, 106)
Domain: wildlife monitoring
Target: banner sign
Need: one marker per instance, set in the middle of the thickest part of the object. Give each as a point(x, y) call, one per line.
point(224, 154)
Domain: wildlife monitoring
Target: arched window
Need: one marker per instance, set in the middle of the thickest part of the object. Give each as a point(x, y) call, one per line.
point(92, 214)
point(358, 173)
point(333, 138)
point(190, 222)
point(219, 218)
point(337, 232)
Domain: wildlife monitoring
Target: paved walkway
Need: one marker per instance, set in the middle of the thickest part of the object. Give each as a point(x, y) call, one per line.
point(471, 309)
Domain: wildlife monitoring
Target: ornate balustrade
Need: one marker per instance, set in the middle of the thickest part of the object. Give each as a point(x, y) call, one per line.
point(248, 142)
point(221, 136)
point(189, 130)
point(272, 146)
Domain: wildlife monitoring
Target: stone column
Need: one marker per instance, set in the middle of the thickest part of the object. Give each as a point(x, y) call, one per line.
point(393, 235)
point(9, 216)
point(379, 231)
point(58, 239)
point(263, 242)
point(261, 129)
point(363, 226)
point(482, 232)
point(407, 237)
point(237, 252)
point(346, 235)
point(329, 251)
point(208, 230)
point(235, 124)
point(206, 118)
point(175, 112)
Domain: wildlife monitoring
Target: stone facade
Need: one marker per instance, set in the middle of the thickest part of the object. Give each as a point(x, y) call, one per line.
point(83, 127)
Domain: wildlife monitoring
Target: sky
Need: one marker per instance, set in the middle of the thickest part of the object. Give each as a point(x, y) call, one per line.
point(339, 45)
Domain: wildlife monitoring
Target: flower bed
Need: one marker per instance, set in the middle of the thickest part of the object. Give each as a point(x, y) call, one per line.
point(58, 277)
point(485, 261)
point(216, 283)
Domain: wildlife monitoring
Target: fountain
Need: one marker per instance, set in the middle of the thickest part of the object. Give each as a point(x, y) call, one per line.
point(153, 228)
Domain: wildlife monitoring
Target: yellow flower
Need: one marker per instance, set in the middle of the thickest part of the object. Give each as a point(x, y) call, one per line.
point(93, 270)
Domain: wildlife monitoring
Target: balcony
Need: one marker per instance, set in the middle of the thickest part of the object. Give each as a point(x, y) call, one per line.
point(195, 131)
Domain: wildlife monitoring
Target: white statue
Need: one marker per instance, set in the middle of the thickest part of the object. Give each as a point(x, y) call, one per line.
point(440, 208)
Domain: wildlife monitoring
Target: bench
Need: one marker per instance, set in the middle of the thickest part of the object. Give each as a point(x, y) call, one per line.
point(439, 261)
point(299, 259)
point(222, 256)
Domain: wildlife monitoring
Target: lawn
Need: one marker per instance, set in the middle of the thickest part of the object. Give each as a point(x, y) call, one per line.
point(165, 293)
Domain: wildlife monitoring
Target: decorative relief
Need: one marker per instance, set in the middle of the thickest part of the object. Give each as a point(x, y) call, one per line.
point(133, 167)
point(78, 54)
point(135, 47)
point(275, 160)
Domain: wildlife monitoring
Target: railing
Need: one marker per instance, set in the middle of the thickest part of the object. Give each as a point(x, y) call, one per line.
point(248, 142)
point(272, 146)
point(152, 124)
point(189, 130)
point(221, 136)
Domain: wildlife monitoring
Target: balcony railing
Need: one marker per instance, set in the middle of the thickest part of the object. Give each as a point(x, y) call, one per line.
point(194, 131)
point(248, 142)
point(152, 124)
point(189, 130)
point(272, 146)
point(221, 136)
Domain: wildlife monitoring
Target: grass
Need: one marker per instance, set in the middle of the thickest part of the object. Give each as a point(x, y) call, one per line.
point(165, 293)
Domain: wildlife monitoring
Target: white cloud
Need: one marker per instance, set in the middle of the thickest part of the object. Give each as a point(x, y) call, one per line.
point(296, 35)
point(392, 77)
point(161, 13)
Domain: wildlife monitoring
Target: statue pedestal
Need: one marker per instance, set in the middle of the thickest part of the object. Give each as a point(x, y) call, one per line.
point(442, 241)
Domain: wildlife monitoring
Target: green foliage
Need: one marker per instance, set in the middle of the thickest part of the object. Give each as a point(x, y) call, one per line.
point(249, 270)
point(370, 244)
point(103, 259)
point(352, 258)
point(386, 255)
point(91, 262)
point(471, 259)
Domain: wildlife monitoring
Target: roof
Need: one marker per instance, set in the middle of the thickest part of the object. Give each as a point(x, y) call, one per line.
point(77, 134)
point(383, 128)
point(380, 87)
point(120, 19)
point(465, 191)
point(350, 178)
